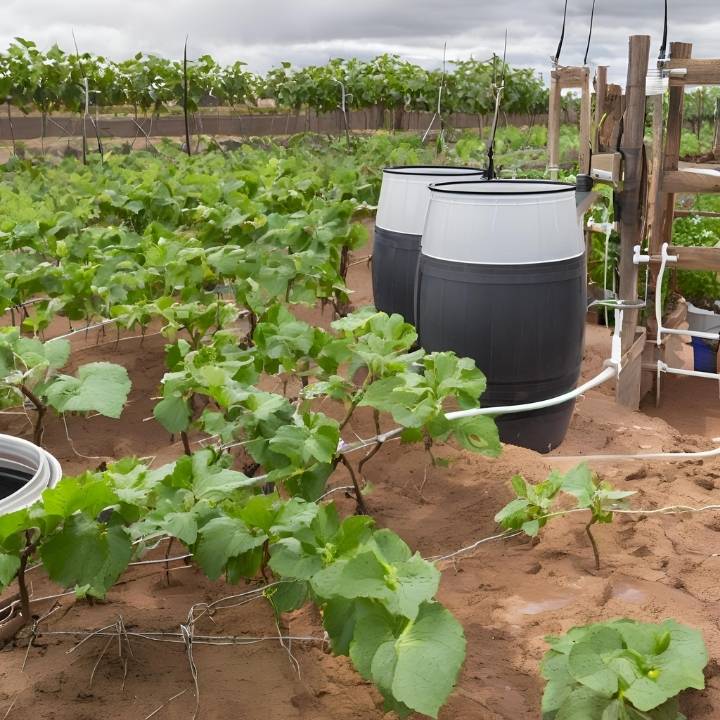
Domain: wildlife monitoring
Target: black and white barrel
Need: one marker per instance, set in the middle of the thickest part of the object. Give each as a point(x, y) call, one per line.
point(502, 280)
point(402, 207)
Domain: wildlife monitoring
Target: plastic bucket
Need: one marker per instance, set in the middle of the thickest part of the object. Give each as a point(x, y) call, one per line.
point(704, 355)
point(25, 471)
point(402, 207)
point(502, 279)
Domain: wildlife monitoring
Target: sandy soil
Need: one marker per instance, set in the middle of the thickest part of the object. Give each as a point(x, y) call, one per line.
point(508, 595)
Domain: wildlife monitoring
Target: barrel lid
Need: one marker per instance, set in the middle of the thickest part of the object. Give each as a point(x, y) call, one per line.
point(431, 170)
point(502, 187)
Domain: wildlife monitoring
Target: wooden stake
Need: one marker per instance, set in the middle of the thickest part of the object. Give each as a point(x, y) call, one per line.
point(600, 101)
point(676, 105)
point(585, 124)
point(628, 385)
point(554, 126)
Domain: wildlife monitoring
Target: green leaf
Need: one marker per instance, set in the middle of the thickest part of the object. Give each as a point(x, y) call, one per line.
point(99, 387)
point(181, 525)
point(402, 586)
point(173, 413)
point(57, 352)
point(85, 552)
point(586, 664)
point(9, 565)
point(288, 596)
point(221, 539)
point(583, 704)
point(416, 666)
point(290, 559)
point(479, 434)
point(82, 494)
point(579, 483)
point(213, 482)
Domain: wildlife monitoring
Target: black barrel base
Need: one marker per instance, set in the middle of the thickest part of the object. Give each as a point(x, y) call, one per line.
point(524, 327)
point(539, 430)
point(394, 266)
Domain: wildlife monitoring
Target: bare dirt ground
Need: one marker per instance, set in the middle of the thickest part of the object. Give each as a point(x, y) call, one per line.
point(508, 595)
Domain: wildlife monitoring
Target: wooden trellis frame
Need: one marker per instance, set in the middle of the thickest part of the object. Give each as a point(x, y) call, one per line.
point(667, 179)
point(562, 78)
point(599, 135)
point(630, 222)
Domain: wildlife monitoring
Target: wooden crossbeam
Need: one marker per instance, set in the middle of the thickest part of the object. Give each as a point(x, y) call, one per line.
point(571, 77)
point(691, 258)
point(682, 181)
point(699, 72)
point(695, 258)
point(606, 166)
point(679, 212)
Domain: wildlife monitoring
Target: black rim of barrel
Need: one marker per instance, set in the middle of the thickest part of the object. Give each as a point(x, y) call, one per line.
point(408, 169)
point(556, 187)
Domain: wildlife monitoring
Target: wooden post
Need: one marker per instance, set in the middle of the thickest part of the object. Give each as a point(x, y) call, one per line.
point(600, 100)
point(585, 124)
point(716, 142)
point(628, 385)
point(554, 126)
point(610, 129)
point(673, 135)
point(655, 205)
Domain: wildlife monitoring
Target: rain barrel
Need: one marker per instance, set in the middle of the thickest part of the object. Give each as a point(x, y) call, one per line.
point(402, 207)
point(502, 279)
point(25, 471)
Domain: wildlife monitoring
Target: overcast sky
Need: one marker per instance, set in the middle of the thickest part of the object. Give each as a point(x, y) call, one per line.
point(264, 32)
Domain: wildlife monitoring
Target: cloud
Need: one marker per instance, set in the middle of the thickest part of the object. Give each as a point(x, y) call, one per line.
point(311, 31)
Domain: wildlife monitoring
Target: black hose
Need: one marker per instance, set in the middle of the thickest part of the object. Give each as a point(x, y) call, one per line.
point(587, 48)
point(663, 47)
point(562, 35)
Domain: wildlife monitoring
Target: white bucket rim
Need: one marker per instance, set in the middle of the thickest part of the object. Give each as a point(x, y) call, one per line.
point(44, 466)
point(433, 170)
point(492, 187)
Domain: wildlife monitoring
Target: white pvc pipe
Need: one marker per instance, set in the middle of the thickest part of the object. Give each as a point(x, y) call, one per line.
point(692, 333)
point(664, 367)
point(23, 456)
point(609, 372)
point(669, 456)
point(664, 259)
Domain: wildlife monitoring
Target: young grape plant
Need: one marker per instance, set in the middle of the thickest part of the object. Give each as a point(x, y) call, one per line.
point(622, 670)
point(536, 504)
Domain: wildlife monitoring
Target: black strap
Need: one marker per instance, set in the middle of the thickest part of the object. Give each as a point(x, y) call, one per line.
point(587, 48)
point(490, 174)
point(663, 47)
point(562, 36)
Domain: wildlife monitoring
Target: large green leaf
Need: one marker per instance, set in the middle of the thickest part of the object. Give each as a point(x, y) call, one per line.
point(9, 565)
point(417, 665)
point(99, 387)
point(173, 413)
point(86, 553)
point(221, 539)
point(479, 434)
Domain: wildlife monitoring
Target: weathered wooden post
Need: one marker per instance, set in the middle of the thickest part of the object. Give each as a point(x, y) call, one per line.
point(585, 147)
point(554, 126)
point(600, 100)
point(630, 221)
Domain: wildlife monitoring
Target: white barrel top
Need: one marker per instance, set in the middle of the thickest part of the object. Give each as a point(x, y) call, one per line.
point(404, 195)
point(502, 222)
